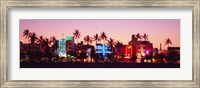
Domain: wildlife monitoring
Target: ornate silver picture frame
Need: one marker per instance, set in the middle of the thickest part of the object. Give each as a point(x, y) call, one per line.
point(5, 5)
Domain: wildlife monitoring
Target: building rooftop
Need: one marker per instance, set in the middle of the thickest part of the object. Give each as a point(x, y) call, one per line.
point(173, 48)
point(143, 42)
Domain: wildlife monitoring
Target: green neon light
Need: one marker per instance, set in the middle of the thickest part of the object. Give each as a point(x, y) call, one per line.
point(69, 37)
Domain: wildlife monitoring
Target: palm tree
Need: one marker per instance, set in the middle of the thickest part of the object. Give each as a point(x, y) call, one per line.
point(168, 41)
point(88, 39)
point(33, 38)
point(77, 34)
point(46, 44)
point(55, 43)
point(40, 40)
point(111, 43)
point(53, 39)
point(46, 48)
point(96, 38)
point(118, 44)
point(104, 37)
point(145, 37)
point(26, 34)
point(138, 36)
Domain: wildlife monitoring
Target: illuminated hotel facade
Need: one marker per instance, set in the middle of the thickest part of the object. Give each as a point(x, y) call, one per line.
point(134, 49)
point(70, 44)
point(103, 50)
point(141, 49)
point(62, 47)
point(65, 45)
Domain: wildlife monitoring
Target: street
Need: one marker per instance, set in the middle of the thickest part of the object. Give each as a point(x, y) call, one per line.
point(96, 65)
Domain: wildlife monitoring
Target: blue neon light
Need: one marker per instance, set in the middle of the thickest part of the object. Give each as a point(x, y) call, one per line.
point(103, 49)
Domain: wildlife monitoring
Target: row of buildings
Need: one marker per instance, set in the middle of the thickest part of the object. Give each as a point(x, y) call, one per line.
point(134, 48)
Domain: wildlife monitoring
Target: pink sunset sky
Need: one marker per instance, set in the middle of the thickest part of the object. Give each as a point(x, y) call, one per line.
point(157, 30)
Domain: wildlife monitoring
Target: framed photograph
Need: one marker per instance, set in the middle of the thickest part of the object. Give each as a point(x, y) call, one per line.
point(103, 43)
point(98, 50)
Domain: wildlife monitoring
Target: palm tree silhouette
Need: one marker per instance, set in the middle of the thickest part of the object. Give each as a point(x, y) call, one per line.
point(145, 37)
point(55, 43)
point(111, 43)
point(40, 40)
point(138, 36)
point(96, 38)
point(46, 41)
point(118, 44)
point(104, 37)
point(168, 41)
point(77, 34)
point(46, 44)
point(53, 39)
point(33, 38)
point(88, 39)
point(26, 34)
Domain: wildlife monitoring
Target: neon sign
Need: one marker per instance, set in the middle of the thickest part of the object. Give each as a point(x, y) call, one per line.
point(69, 37)
point(129, 50)
point(102, 49)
